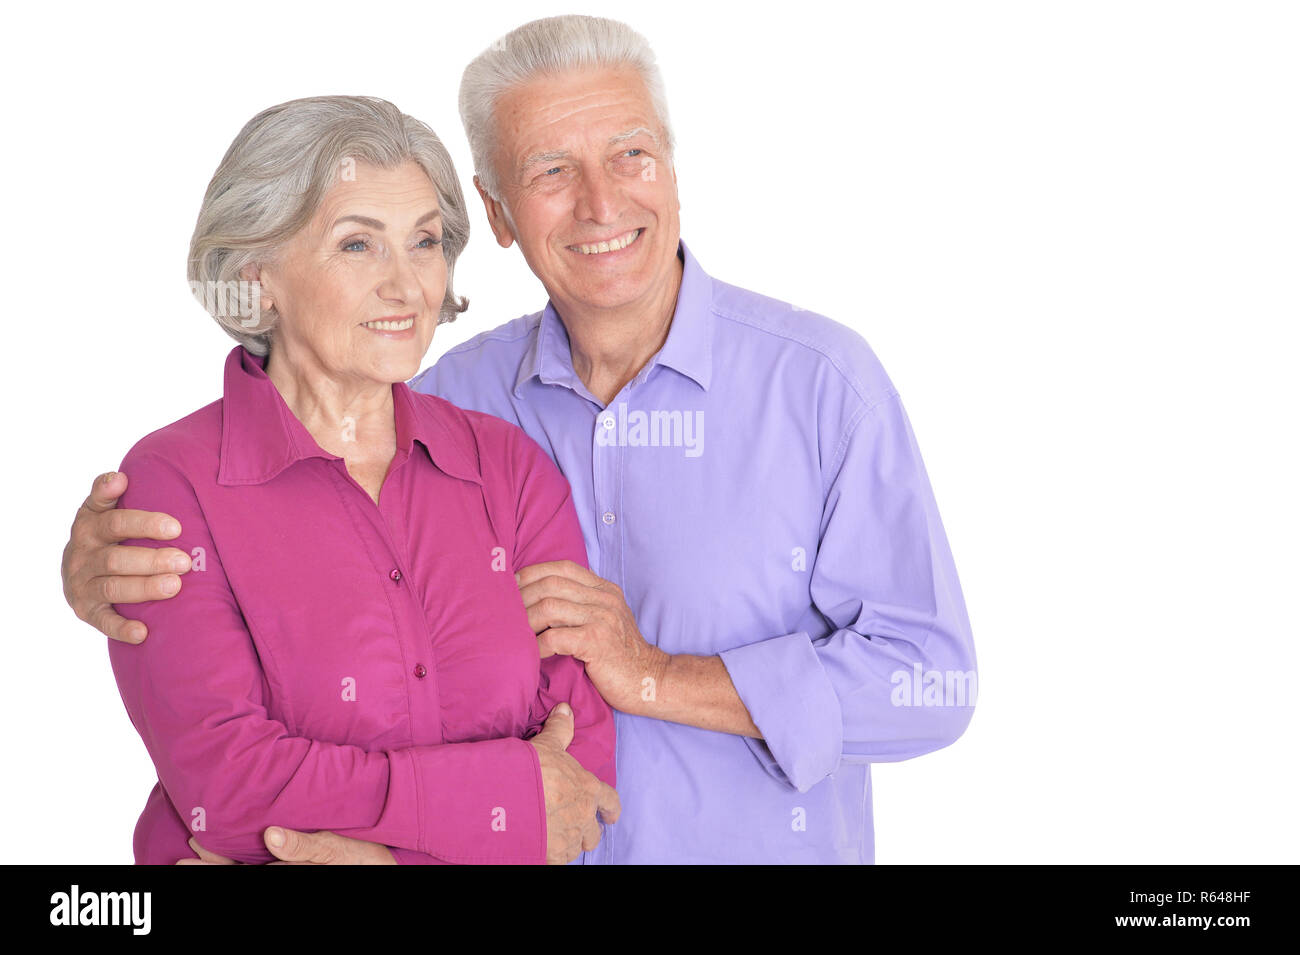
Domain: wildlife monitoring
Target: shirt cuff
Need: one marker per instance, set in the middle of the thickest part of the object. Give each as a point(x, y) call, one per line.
point(791, 700)
point(479, 802)
point(412, 857)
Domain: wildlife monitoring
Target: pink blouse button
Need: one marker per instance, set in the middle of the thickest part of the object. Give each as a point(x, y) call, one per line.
point(395, 574)
point(420, 671)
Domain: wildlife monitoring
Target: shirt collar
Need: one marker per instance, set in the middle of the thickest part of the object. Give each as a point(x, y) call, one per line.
point(261, 436)
point(687, 349)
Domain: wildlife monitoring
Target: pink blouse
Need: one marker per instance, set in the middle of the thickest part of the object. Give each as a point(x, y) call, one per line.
point(333, 664)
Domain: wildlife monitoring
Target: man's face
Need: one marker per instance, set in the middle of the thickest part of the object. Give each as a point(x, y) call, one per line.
point(587, 189)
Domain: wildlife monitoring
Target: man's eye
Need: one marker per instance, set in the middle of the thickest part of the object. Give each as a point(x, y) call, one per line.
point(553, 169)
point(634, 151)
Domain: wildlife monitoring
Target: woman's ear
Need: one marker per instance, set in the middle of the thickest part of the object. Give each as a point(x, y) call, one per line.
point(252, 272)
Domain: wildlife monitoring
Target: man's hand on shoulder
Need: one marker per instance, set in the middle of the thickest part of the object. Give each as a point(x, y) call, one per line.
point(98, 572)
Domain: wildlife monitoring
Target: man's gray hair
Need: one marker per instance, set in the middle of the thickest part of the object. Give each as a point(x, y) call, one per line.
point(274, 177)
point(549, 46)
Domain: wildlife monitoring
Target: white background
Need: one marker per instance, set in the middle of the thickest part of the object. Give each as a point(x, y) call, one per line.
point(1069, 230)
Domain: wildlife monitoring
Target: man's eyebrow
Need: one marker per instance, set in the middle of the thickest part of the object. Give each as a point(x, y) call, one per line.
point(631, 133)
point(378, 226)
point(544, 157)
point(554, 154)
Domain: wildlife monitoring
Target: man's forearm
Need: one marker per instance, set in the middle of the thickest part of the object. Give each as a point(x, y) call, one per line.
point(695, 691)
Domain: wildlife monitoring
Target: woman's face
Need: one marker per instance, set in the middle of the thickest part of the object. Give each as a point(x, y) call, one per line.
point(359, 288)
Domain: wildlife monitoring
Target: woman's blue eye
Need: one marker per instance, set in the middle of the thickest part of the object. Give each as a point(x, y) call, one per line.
point(633, 151)
point(430, 239)
point(360, 242)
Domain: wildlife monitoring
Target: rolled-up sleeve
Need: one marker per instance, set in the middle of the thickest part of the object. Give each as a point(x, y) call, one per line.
point(895, 676)
point(197, 693)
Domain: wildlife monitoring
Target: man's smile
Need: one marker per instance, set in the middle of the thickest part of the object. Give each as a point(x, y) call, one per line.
point(616, 244)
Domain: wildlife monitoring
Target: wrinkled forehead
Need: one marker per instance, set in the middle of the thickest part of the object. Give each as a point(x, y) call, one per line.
point(378, 197)
point(574, 110)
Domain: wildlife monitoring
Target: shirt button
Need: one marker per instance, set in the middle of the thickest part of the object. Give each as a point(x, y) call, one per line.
point(608, 517)
point(420, 671)
point(396, 575)
point(608, 421)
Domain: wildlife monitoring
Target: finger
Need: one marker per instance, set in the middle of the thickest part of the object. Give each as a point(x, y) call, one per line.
point(569, 641)
point(590, 834)
point(130, 560)
point(608, 803)
point(92, 597)
point(119, 524)
point(132, 590)
point(211, 858)
point(557, 731)
point(289, 845)
point(116, 627)
point(558, 612)
point(558, 568)
point(105, 490)
point(562, 587)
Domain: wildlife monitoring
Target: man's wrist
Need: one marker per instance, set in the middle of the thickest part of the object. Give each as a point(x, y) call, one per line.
point(647, 697)
point(697, 691)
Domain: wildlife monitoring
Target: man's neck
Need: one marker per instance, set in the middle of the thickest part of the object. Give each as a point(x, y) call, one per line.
point(609, 347)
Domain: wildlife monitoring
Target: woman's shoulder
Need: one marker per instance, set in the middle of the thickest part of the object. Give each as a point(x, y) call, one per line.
point(498, 448)
point(190, 445)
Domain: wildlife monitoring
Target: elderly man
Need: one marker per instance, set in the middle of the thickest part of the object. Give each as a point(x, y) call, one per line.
point(773, 605)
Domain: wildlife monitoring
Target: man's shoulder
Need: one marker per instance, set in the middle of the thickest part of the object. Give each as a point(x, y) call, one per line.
point(787, 328)
point(479, 430)
point(508, 340)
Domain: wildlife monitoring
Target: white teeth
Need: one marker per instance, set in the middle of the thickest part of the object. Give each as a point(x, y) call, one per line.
point(401, 326)
point(613, 245)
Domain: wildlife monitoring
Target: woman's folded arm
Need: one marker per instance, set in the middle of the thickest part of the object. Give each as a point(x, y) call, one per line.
point(197, 693)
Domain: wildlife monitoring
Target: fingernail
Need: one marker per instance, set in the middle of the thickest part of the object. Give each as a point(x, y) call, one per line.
point(171, 584)
point(516, 579)
point(564, 710)
point(275, 837)
point(180, 564)
point(171, 528)
point(109, 476)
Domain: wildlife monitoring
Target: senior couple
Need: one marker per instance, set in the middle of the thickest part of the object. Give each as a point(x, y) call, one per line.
point(664, 526)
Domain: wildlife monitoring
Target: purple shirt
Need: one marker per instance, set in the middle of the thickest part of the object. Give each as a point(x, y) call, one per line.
point(335, 664)
point(757, 492)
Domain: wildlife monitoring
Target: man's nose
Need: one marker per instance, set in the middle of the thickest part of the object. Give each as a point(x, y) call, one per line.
point(599, 198)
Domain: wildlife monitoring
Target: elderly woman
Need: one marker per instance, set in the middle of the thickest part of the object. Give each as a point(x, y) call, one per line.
point(350, 650)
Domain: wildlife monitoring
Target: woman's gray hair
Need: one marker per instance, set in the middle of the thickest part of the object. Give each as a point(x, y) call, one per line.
point(548, 46)
point(272, 180)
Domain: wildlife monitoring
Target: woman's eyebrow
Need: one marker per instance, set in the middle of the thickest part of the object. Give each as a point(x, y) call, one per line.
point(378, 226)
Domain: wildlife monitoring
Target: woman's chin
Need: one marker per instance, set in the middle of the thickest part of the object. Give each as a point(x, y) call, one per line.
point(397, 361)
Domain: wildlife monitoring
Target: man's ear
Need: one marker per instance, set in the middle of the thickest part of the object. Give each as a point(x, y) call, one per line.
point(496, 214)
